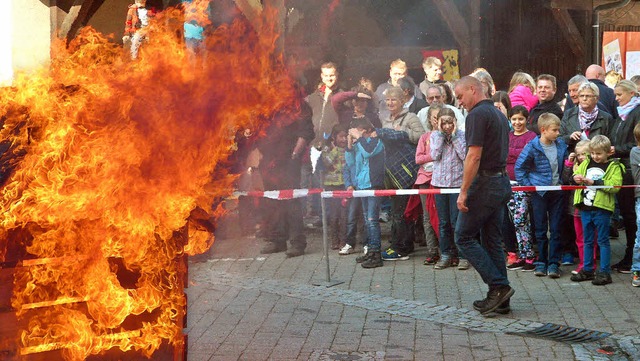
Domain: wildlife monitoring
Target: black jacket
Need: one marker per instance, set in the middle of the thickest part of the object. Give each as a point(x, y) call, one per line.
point(570, 124)
point(538, 110)
point(622, 135)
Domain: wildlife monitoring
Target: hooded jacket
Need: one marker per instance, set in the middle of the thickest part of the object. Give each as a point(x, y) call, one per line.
point(534, 169)
point(604, 198)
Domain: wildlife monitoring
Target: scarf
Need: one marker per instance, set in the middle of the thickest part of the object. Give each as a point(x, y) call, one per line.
point(587, 119)
point(624, 110)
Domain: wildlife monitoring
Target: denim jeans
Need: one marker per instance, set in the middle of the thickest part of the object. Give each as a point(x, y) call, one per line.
point(355, 222)
point(592, 221)
point(479, 231)
point(547, 214)
point(371, 211)
point(447, 207)
point(636, 247)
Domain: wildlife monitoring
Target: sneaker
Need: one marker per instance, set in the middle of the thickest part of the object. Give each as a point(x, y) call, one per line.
point(392, 255)
point(512, 258)
point(583, 276)
point(463, 264)
point(346, 249)
point(635, 282)
point(626, 269)
point(374, 259)
point(443, 263)
point(576, 271)
point(553, 271)
point(601, 279)
point(383, 217)
point(496, 296)
point(528, 266)
point(540, 270)
point(431, 260)
point(622, 267)
point(567, 259)
point(503, 309)
point(517, 265)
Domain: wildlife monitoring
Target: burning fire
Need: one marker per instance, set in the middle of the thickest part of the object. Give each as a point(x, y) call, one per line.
point(114, 163)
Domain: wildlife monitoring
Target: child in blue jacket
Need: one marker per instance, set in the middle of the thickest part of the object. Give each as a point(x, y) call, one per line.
point(540, 164)
point(365, 154)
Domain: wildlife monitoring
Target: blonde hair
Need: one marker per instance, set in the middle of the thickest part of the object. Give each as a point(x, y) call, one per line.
point(522, 78)
point(584, 144)
point(432, 60)
point(628, 86)
point(548, 119)
point(398, 63)
point(601, 143)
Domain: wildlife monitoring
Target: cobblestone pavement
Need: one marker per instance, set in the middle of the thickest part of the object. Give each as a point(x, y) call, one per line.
point(247, 306)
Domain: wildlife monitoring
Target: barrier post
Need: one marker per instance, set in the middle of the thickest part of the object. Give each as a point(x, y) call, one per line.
point(325, 244)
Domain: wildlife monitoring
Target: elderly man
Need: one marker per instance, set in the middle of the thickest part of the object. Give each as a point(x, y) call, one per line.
point(595, 73)
point(546, 91)
point(435, 96)
point(572, 99)
point(432, 67)
point(397, 70)
point(484, 194)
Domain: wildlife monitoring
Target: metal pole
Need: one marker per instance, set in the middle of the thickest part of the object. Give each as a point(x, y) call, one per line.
point(325, 238)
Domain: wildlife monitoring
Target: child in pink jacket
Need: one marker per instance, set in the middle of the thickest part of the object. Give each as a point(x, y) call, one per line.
point(521, 90)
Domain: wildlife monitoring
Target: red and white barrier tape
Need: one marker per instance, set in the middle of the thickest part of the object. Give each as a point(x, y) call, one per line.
point(300, 193)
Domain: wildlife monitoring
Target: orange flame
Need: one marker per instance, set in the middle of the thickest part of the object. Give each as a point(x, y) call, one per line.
point(112, 161)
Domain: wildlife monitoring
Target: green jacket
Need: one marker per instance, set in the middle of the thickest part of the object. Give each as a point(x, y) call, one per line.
point(604, 198)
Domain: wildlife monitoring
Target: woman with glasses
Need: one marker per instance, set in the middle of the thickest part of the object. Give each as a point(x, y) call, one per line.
point(585, 121)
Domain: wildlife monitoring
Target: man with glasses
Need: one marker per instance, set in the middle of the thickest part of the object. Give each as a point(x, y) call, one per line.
point(434, 96)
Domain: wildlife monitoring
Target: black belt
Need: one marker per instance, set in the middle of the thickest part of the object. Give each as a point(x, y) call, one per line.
point(492, 173)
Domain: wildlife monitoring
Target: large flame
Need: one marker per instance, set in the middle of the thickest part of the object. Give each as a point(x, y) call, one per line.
point(112, 160)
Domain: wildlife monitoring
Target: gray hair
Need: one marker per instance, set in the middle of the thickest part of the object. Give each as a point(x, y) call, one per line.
point(589, 85)
point(578, 79)
point(394, 91)
point(433, 86)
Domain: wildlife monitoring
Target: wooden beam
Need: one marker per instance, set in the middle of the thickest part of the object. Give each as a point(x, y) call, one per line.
point(571, 5)
point(473, 60)
point(570, 31)
point(252, 9)
point(456, 22)
point(71, 16)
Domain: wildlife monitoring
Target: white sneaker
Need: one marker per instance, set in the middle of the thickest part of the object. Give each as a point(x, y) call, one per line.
point(347, 249)
point(365, 248)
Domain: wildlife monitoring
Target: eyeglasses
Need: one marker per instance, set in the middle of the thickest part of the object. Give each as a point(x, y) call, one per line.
point(434, 97)
point(586, 96)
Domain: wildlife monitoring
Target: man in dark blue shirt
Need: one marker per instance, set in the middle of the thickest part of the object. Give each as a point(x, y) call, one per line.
point(484, 193)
